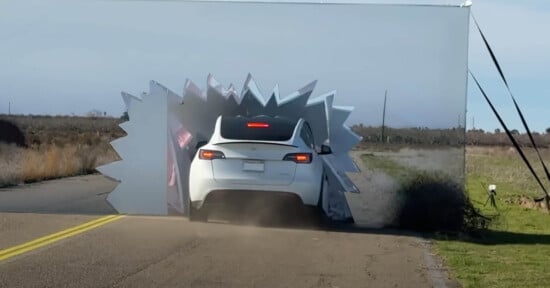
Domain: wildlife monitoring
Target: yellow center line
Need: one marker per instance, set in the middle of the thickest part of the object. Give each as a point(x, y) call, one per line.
point(49, 239)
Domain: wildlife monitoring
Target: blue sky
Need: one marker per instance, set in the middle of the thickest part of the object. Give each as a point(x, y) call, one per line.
point(516, 31)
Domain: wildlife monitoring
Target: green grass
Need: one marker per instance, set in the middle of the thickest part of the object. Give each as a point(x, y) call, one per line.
point(515, 252)
point(385, 164)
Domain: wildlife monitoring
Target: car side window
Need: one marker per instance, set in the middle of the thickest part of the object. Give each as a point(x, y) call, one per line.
point(307, 135)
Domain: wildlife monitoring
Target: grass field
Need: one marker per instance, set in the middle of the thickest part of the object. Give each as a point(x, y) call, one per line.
point(388, 166)
point(57, 146)
point(515, 252)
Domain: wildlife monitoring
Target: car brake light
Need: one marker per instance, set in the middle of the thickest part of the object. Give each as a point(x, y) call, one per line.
point(210, 154)
point(257, 125)
point(300, 158)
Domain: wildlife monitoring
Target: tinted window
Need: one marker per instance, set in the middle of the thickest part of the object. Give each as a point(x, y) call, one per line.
point(262, 128)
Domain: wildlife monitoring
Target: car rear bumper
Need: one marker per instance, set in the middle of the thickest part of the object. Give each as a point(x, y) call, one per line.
point(245, 198)
point(201, 190)
point(306, 184)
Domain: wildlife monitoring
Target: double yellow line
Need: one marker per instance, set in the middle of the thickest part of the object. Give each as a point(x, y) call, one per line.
point(52, 238)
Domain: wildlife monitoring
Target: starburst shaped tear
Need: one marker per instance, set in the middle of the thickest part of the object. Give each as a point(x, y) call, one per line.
point(165, 128)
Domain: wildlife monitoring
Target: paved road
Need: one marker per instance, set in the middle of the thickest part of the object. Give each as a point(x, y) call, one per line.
point(75, 195)
point(141, 251)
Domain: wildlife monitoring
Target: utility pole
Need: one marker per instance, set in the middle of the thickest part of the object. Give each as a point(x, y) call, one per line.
point(9, 108)
point(384, 116)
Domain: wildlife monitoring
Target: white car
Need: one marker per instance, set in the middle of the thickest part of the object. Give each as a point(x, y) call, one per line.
point(257, 156)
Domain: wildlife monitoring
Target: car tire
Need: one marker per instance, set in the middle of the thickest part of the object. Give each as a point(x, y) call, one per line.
point(197, 215)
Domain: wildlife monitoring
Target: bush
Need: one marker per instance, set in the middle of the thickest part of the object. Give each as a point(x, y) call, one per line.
point(11, 134)
point(432, 203)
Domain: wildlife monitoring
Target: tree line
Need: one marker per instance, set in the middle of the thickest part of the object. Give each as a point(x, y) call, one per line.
point(456, 136)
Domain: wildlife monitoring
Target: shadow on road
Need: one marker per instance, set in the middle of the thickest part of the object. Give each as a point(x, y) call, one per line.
point(289, 215)
point(284, 212)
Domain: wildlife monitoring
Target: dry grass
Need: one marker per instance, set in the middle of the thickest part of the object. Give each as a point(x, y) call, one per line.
point(19, 165)
point(10, 164)
point(54, 162)
point(504, 167)
point(57, 147)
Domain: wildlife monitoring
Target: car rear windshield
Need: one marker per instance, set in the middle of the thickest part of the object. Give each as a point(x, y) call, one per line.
point(261, 128)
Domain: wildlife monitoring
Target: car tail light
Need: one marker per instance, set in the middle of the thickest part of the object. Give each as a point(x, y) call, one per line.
point(210, 154)
point(300, 158)
point(257, 125)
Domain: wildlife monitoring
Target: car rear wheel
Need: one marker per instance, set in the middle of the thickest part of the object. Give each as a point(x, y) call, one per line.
point(198, 215)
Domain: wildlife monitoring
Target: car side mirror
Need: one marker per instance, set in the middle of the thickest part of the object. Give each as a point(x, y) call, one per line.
point(325, 149)
point(200, 144)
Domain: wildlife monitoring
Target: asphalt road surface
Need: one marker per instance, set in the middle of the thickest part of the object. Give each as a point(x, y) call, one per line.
point(147, 251)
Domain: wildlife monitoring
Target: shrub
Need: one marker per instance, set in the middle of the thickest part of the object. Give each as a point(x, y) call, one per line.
point(434, 203)
point(11, 134)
